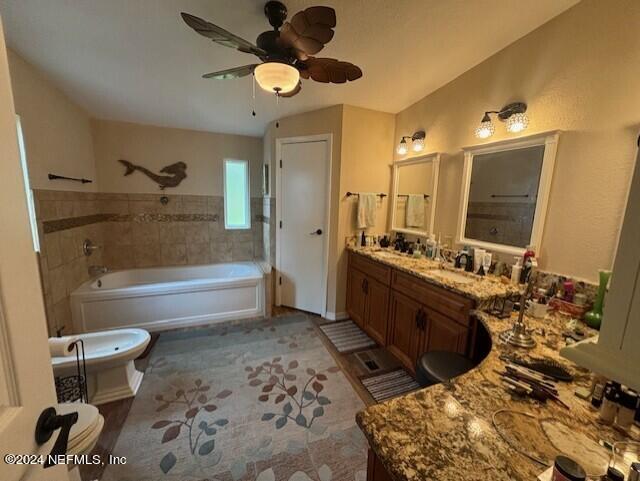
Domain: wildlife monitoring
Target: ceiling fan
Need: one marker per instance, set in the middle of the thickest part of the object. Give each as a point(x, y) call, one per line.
point(286, 51)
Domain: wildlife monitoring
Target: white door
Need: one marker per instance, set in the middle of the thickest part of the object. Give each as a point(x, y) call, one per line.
point(26, 378)
point(302, 225)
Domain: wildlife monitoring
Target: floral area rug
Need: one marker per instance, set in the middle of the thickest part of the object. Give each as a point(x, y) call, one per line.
point(261, 401)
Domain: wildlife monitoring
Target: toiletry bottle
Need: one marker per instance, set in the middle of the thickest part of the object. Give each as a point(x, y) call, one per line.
point(436, 253)
point(527, 264)
point(627, 410)
point(569, 290)
point(597, 392)
point(528, 253)
point(417, 251)
point(516, 270)
point(609, 408)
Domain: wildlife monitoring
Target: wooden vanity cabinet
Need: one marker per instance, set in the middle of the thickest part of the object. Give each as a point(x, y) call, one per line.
point(441, 334)
point(368, 296)
point(405, 336)
point(356, 296)
point(375, 469)
point(406, 314)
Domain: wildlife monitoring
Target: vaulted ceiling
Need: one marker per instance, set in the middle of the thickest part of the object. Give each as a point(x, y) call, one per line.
point(135, 60)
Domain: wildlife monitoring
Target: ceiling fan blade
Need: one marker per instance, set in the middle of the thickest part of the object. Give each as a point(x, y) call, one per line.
point(309, 30)
point(235, 72)
point(295, 91)
point(330, 70)
point(220, 35)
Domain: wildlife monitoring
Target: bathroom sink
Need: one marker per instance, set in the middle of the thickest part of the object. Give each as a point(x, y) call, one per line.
point(452, 276)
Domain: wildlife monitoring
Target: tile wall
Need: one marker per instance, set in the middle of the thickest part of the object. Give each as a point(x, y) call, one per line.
point(132, 230)
point(500, 223)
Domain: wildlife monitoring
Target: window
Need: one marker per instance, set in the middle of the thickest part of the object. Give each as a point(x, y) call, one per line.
point(27, 187)
point(237, 213)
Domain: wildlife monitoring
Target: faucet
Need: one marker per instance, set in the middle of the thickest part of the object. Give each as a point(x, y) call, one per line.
point(95, 271)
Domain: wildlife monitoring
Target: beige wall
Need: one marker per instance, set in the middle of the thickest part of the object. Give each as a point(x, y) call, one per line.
point(578, 73)
point(362, 151)
point(57, 132)
point(156, 147)
point(367, 153)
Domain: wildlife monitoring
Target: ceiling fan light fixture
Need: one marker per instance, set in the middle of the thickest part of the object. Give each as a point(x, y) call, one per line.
point(277, 77)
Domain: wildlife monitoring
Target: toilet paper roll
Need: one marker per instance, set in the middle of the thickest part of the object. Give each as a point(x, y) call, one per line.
point(62, 346)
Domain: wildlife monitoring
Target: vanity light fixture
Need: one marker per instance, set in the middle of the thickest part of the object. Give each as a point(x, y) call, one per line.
point(402, 146)
point(513, 114)
point(417, 143)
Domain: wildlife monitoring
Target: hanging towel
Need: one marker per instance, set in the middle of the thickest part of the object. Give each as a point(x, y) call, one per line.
point(366, 210)
point(415, 210)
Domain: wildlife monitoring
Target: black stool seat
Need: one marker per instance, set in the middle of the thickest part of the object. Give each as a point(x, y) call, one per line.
point(438, 366)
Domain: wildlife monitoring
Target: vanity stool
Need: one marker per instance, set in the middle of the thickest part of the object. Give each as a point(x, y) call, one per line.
point(439, 366)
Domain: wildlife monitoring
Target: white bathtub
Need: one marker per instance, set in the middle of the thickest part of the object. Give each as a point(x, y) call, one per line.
point(167, 297)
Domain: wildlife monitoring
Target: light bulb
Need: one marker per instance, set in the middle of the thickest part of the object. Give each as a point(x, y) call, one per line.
point(417, 145)
point(485, 129)
point(517, 123)
point(402, 147)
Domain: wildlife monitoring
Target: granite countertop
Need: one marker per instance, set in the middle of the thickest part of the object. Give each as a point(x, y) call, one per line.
point(447, 431)
point(480, 289)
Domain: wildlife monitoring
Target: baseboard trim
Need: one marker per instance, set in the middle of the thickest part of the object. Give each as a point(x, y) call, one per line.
point(337, 316)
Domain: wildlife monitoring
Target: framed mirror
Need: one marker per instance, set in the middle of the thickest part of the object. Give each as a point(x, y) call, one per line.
point(415, 188)
point(505, 191)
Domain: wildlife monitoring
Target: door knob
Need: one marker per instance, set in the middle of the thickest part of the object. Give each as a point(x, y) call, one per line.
point(50, 421)
point(316, 232)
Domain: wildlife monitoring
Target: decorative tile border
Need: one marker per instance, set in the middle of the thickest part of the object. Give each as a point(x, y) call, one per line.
point(50, 226)
point(143, 218)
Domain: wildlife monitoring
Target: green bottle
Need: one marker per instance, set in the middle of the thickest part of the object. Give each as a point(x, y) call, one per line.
point(593, 318)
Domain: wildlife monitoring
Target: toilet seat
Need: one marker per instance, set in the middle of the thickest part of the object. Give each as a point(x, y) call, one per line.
point(84, 433)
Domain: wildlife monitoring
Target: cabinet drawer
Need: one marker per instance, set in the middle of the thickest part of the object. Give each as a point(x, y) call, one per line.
point(452, 305)
point(373, 269)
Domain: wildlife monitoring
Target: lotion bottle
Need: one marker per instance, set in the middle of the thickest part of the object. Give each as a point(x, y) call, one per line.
point(516, 270)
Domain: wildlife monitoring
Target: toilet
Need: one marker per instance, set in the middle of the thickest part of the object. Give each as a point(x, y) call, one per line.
point(84, 433)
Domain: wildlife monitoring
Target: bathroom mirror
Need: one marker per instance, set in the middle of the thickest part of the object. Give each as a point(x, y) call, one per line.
point(505, 192)
point(415, 185)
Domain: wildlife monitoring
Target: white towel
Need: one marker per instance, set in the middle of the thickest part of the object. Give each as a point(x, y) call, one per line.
point(366, 210)
point(415, 210)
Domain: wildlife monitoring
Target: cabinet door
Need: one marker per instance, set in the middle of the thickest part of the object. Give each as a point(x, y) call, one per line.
point(444, 334)
point(356, 296)
point(375, 469)
point(404, 335)
point(377, 312)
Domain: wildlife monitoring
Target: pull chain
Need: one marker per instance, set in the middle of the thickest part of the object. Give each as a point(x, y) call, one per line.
point(253, 102)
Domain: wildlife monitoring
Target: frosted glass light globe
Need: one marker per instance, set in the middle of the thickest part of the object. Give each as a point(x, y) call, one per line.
point(277, 77)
